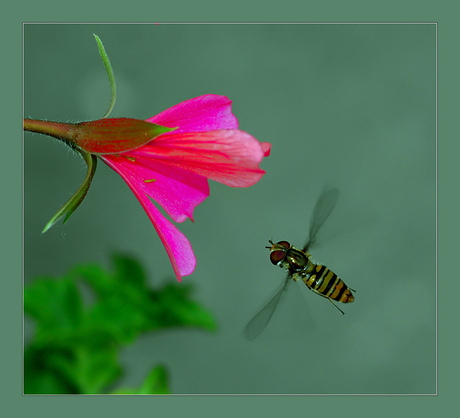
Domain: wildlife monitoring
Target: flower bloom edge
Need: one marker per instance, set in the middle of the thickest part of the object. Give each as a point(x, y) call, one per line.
point(173, 168)
point(167, 159)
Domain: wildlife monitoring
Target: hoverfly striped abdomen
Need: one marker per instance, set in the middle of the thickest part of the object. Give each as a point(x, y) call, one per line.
point(326, 283)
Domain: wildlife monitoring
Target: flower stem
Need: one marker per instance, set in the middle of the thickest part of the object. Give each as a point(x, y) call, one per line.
point(63, 131)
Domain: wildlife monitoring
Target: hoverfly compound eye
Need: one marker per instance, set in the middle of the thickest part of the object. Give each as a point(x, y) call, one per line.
point(278, 252)
point(277, 256)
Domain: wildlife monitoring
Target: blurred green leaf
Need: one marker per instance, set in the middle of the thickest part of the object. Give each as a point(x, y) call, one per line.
point(41, 375)
point(52, 369)
point(54, 304)
point(84, 318)
point(155, 383)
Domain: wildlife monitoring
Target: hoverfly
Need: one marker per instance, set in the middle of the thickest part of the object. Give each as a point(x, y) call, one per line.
point(299, 265)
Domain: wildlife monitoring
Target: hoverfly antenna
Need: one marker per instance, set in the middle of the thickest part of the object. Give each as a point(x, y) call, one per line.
point(271, 242)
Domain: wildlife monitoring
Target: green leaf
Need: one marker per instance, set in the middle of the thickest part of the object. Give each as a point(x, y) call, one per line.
point(54, 303)
point(90, 369)
point(40, 376)
point(80, 369)
point(177, 309)
point(127, 269)
point(86, 317)
point(156, 383)
point(126, 299)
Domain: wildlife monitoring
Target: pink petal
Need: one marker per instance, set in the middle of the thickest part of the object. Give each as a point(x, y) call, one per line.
point(176, 190)
point(204, 113)
point(266, 148)
point(176, 244)
point(230, 157)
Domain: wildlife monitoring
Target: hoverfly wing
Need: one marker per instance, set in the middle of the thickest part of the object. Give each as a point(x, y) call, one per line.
point(257, 324)
point(323, 208)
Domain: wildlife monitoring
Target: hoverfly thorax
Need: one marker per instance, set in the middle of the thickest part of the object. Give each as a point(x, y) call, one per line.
point(284, 255)
point(297, 260)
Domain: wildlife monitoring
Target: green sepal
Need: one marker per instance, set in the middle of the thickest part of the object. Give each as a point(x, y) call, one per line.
point(108, 68)
point(115, 135)
point(75, 201)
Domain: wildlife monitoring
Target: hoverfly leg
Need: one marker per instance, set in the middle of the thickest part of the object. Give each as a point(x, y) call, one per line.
point(343, 313)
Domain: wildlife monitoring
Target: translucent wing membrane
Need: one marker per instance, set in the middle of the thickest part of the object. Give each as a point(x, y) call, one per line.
point(323, 208)
point(257, 324)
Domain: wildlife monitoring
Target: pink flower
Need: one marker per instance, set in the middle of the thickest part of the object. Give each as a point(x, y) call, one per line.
point(173, 168)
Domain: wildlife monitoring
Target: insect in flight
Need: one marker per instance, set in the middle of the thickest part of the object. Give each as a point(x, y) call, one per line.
point(299, 265)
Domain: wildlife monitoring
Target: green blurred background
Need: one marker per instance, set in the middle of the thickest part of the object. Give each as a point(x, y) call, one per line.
point(352, 105)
